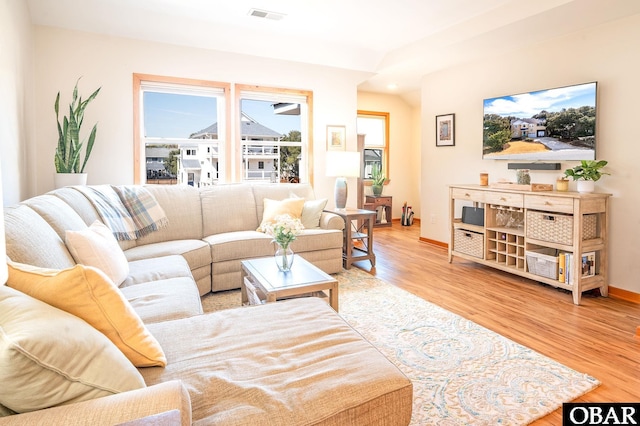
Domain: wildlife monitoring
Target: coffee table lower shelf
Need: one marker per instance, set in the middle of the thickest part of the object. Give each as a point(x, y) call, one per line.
point(263, 283)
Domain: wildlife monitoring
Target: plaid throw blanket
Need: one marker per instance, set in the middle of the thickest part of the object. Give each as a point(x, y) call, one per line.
point(146, 213)
point(130, 212)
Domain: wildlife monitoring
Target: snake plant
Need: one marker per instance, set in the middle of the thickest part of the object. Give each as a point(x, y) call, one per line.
point(68, 152)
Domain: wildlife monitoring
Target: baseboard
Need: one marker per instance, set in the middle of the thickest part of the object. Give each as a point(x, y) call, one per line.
point(434, 242)
point(627, 295)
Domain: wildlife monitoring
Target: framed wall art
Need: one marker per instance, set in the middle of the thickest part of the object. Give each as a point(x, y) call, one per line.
point(336, 136)
point(445, 130)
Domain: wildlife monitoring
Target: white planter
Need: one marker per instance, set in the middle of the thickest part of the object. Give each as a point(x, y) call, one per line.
point(586, 185)
point(69, 179)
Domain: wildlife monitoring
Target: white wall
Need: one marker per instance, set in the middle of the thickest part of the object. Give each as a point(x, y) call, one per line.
point(15, 90)
point(404, 152)
point(62, 56)
point(606, 54)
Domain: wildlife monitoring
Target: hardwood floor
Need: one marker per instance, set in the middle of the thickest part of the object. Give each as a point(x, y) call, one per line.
point(597, 337)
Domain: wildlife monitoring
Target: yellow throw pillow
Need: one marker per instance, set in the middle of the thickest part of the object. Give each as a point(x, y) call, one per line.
point(272, 208)
point(87, 293)
point(96, 246)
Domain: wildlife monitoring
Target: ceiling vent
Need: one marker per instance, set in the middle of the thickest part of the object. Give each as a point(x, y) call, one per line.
point(258, 13)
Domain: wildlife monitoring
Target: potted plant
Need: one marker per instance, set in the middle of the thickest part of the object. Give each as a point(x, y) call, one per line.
point(377, 179)
point(586, 173)
point(68, 156)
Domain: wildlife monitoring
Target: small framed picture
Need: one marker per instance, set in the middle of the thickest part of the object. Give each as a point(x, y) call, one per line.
point(336, 136)
point(445, 130)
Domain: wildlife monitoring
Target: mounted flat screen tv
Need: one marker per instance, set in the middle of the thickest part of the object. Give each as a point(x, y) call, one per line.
point(547, 125)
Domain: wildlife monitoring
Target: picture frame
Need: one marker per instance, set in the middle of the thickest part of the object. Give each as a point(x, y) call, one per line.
point(336, 138)
point(445, 130)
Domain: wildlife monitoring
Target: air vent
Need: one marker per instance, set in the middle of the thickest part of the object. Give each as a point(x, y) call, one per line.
point(258, 13)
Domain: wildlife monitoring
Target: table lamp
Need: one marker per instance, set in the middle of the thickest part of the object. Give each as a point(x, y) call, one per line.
point(342, 164)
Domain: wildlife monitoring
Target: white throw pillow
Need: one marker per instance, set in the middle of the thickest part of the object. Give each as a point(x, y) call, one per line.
point(49, 357)
point(311, 211)
point(96, 246)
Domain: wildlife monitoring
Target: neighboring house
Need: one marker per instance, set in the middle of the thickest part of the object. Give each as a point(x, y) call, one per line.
point(198, 164)
point(260, 155)
point(156, 163)
point(522, 128)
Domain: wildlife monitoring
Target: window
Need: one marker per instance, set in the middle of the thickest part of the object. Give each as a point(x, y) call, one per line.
point(183, 132)
point(274, 134)
point(375, 127)
point(180, 130)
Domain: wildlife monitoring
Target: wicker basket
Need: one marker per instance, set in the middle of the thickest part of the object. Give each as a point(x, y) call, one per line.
point(558, 228)
point(543, 262)
point(469, 242)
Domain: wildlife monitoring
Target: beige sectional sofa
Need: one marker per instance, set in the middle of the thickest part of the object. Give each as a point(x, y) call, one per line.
point(291, 362)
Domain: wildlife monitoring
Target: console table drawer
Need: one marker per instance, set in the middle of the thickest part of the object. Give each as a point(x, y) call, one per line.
point(504, 199)
point(468, 194)
point(550, 204)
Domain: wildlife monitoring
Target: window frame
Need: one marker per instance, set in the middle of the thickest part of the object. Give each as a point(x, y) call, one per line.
point(138, 137)
point(385, 149)
point(239, 89)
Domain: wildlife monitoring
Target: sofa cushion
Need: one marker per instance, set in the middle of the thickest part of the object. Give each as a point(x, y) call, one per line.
point(228, 208)
point(164, 300)
point(27, 233)
point(157, 268)
point(310, 368)
point(58, 214)
point(96, 246)
point(181, 205)
point(87, 293)
point(195, 252)
point(49, 357)
point(239, 245)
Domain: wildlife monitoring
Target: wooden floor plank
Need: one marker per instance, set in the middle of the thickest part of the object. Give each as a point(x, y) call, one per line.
point(598, 337)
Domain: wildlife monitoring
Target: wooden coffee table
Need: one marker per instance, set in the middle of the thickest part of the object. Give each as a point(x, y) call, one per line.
point(262, 276)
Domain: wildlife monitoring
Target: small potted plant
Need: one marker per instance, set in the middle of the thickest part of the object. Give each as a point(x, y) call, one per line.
point(68, 161)
point(586, 173)
point(377, 179)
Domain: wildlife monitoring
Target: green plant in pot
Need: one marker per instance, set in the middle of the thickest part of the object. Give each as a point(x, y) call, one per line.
point(68, 156)
point(586, 173)
point(377, 179)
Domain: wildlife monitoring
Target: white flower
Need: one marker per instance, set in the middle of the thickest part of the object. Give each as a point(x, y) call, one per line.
point(284, 229)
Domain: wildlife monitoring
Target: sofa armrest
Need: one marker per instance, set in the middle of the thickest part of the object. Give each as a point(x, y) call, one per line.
point(330, 220)
point(114, 409)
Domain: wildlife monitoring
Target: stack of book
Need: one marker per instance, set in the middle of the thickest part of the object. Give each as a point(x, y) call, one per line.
point(565, 266)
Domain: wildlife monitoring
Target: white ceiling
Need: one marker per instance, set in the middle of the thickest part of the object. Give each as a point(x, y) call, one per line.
point(397, 41)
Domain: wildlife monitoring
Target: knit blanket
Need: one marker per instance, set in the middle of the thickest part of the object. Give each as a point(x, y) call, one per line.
point(130, 212)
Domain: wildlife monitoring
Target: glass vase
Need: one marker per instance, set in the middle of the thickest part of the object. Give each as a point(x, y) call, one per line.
point(284, 258)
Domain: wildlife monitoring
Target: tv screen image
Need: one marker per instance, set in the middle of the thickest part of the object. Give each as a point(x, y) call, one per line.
point(546, 125)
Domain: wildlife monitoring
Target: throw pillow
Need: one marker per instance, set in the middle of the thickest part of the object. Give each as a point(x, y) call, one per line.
point(311, 212)
point(96, 246)
point(87, 293)
point(273, 208)
point(49, 357)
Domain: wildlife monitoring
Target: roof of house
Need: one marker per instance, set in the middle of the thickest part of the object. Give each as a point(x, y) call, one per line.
point(248, 128)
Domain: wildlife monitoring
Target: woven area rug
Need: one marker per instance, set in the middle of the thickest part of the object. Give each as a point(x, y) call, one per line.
point(462, 373)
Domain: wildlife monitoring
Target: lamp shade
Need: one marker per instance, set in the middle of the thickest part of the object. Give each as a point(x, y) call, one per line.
point(343, 163)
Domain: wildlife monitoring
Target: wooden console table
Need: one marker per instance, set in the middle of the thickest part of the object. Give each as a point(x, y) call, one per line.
point(382, 204)
point(531, 233)
point(358, 228)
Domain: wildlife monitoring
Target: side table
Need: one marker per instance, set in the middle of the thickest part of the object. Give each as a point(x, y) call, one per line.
point(382, 204)
point(358, 228)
